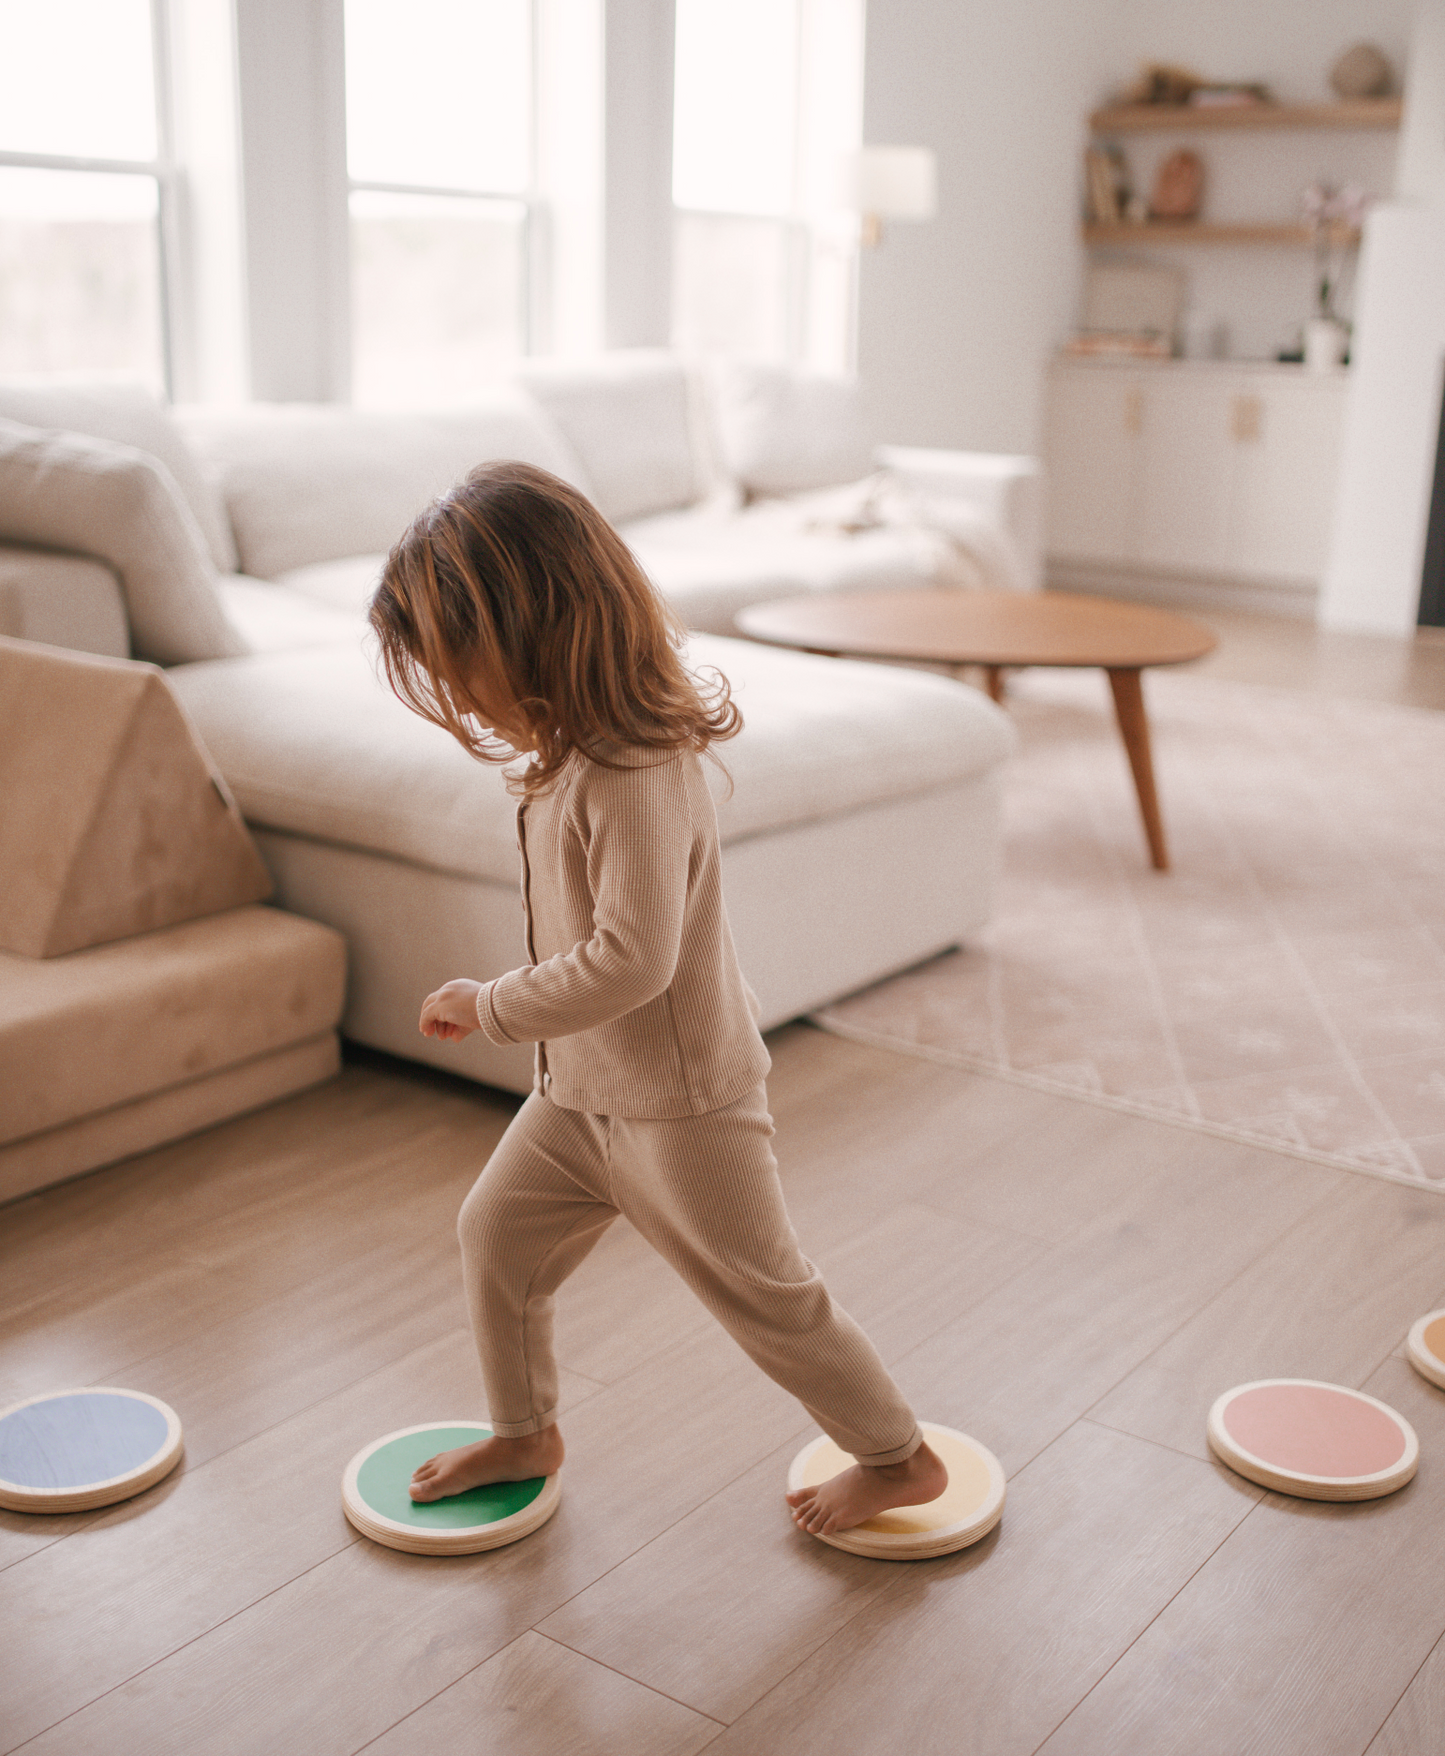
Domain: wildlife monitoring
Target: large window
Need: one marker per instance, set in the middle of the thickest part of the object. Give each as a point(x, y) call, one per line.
point(768, 99)
point(439, 132)
point(84, 181)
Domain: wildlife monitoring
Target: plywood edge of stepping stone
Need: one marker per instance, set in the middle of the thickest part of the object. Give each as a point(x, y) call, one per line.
point(966, 1511)
point(375, 1500)
point(75, 1450)
point(1425, 1346)
point(1314, 1440)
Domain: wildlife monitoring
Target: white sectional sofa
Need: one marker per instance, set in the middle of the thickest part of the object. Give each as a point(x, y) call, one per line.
point(861, 831)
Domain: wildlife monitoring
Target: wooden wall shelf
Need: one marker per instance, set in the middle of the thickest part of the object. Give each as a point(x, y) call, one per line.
point(1185, 119)
point(1201, 232)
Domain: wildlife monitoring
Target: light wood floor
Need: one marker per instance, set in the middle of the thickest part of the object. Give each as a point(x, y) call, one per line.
point(1072, 1285)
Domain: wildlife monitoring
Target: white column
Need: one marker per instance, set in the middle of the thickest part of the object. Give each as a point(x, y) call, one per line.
point(567, 242)
point(206, 272)
point(292, 90)
point(637, 254)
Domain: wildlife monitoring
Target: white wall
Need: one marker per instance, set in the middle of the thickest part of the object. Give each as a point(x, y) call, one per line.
point(1392, 420)
point(959, 316)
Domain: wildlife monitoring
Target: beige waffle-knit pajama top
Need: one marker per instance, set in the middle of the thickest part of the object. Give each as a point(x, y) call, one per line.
point(648, 1101)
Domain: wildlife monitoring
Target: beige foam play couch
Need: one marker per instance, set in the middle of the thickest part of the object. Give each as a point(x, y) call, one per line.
point(862, 830)
point(143, 991)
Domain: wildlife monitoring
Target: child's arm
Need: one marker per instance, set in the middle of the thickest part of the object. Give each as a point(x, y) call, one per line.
point(639, 832)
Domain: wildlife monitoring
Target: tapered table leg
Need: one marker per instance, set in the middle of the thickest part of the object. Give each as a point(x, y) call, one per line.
point(993, 675)
point(1128, 688)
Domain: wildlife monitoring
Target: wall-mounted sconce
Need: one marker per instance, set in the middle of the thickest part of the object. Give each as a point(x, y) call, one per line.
point(890, 182)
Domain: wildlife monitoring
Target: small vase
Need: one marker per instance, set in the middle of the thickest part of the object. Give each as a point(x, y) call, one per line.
point(1326, 343)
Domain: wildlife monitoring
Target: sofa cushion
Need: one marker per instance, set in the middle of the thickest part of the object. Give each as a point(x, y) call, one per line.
point(107, 1025)
point(784, 431)
point(270, 617)
point(126, 414)
point(709, 566)
point(67, 491)
point(632, 419)
point(315, 744)
point(347, 584)
point(308, 482)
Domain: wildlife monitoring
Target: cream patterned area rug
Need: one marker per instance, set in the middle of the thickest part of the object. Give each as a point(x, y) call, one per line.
point(1284, 984)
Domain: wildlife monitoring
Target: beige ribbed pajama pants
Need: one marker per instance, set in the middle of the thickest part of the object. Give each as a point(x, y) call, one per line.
point(704, 1192)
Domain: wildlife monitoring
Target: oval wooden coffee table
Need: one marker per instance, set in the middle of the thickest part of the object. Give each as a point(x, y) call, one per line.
point(1003, 630)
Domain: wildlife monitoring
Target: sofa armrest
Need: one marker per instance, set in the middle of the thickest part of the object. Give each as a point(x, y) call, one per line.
point(1006, 489)
point(62, 600)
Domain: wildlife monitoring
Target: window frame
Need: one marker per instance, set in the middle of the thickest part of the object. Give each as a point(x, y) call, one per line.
point(162, 169)
point(527, 199)
point(805, 233)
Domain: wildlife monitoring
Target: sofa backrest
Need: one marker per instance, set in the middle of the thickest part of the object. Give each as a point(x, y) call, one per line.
point(126, 414)
point(634, 419)
point(786, 430)
point(308, 482)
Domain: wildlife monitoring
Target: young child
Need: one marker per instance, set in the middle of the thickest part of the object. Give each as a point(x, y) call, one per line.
point(515, 617)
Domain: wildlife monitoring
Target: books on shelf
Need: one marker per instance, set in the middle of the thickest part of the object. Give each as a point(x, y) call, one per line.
point(1108, 344)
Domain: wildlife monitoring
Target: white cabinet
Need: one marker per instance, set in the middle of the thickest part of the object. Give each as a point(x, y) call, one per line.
point(1214, 470)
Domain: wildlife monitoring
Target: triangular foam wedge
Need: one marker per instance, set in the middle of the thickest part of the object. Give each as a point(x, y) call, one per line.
point(112, 819)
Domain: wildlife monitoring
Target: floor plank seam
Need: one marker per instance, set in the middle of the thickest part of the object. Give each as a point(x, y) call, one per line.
point(1159, 1445)
point(166, 1657)
point(890, 1589)
point(656, 1536)
point(651, 1688)
point(1124, 1651)
point(436, 1695)
point(1274, 1243)
point(1394, 1705)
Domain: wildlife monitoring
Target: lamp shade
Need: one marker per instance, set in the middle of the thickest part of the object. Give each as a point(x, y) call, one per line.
point(892, 182)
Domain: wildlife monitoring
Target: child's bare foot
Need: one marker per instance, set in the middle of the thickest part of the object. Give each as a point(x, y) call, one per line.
point(491, 1460)
point(862, 1492)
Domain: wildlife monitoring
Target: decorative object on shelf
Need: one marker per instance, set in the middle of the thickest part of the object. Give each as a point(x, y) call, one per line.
point(1363, 72)
point(1159, 83)
point(890, 182)
point(1131, 311)
point(1334, 216)
point(1106, 184)
point(1179, 187)
point(1101, 345)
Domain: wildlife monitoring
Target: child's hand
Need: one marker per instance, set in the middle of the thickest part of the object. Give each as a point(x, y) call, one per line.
point(451, 1013)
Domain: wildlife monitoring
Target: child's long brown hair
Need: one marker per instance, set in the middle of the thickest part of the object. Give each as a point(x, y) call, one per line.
point(513, 570)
